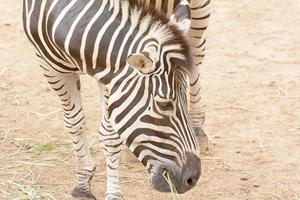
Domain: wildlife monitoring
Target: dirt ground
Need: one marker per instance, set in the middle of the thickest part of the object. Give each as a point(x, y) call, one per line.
point(251, 89)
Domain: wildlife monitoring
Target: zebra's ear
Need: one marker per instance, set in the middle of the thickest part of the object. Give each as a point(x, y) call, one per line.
point(182, 16)
point(141, 62)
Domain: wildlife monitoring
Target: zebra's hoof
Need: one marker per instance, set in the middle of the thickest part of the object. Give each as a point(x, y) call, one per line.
point(114, 196)
point(202, 139)
point(203, 143)
point(78, 195)
point(128, 156)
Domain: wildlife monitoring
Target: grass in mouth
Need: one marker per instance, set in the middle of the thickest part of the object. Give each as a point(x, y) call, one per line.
point(168, 179)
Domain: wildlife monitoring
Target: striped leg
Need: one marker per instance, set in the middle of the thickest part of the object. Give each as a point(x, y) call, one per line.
point(67, 88)
point(200, 17)
point(112, 145)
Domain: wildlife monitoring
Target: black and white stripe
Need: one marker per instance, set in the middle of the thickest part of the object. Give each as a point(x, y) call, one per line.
point(139, 59)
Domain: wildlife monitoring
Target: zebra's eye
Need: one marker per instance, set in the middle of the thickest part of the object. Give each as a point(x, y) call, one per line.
point(166, 106)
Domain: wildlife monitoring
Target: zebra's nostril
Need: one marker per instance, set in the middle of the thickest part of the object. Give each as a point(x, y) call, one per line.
point(190, 182)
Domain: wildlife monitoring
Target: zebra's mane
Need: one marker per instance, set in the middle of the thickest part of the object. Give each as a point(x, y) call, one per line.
point(168, 33)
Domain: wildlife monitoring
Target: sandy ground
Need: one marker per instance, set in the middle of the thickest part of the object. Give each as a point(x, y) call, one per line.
point(251, 89)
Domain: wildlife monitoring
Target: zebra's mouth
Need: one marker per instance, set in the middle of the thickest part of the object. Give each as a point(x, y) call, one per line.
point(180, 178)
point(152, 173)
point(157, 180)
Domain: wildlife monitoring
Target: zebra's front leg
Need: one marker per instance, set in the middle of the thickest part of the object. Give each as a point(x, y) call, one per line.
point(112, 146)
point(67, 88)
point(200, 17)
point(197, 115)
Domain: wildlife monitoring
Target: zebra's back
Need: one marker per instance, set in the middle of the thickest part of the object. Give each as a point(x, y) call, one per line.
point(65, 33)
point(166, 6)
point(65, 40)
point(36, 20)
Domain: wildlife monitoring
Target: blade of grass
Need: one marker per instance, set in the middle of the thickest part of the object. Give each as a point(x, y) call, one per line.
point(42, 148)
point(168, 179)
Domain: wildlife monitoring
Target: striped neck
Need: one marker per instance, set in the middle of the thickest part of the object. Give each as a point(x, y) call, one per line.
point(143, 28)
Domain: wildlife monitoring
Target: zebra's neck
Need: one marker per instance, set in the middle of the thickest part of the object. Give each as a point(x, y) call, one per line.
point(135, 28)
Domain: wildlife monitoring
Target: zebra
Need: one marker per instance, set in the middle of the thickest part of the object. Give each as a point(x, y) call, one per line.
point(142, 63)
point(196, 34)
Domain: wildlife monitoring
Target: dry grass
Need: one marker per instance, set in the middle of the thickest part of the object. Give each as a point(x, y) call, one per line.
point(21, 171)
point(168, 179)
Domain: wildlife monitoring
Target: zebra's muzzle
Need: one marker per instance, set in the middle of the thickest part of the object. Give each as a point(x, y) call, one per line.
point(183, 178)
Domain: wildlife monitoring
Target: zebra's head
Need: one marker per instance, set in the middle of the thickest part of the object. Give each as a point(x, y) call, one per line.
point(149, 107)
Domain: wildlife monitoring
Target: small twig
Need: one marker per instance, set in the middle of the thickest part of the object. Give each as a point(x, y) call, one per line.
point(13, 154)
point(37, 164)
point(30, 174)
point(212, 158)
point(139, 178)
point(50, 196)
point(45, 115)
point(6, 172)
point(57, 159)
point(241, 108)
point(285, 93)
point(4, 86)
point(21, 187)
point(130, 181)
point(295, 97)
point(282, 90)
point(18, 103)
point(262, 146)
point(210, 139)
point(37, 179)
point(5, 136)
point(2, 72)
point(4, 192)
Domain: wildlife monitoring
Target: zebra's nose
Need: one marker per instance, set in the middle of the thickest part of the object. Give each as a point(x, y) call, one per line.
point(191, 172)
point(183, 179)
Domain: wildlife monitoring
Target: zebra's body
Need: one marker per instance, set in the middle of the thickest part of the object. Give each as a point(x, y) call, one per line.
point(141, 61)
